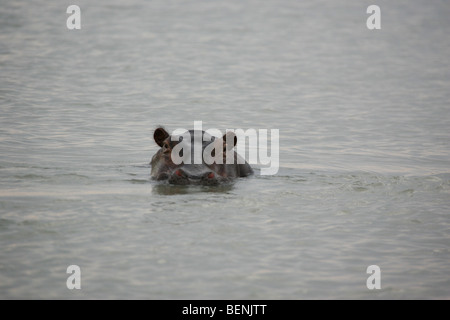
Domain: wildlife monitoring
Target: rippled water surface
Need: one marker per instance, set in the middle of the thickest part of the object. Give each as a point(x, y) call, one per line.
point(364, 174)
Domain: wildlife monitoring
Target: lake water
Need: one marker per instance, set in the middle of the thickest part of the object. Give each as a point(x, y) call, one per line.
point(364, 177)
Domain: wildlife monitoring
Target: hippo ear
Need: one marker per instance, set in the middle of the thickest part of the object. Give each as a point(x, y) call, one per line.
point(229, 139)
point(160, 135)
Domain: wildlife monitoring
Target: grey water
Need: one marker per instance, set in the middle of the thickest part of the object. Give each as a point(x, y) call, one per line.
point(363, 117)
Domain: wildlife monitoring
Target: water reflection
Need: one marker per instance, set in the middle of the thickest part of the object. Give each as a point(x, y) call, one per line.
point(170, 189)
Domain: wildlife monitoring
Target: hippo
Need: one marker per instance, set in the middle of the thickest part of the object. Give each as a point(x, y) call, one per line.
point(225, 167)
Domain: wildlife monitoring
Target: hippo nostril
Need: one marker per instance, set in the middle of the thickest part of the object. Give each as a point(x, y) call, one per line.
point(211, 175)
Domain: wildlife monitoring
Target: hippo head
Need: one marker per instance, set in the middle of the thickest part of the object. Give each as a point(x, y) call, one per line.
point(179, 162)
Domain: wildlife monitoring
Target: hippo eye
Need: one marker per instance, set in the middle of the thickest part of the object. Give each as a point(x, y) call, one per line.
point(165, 146)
